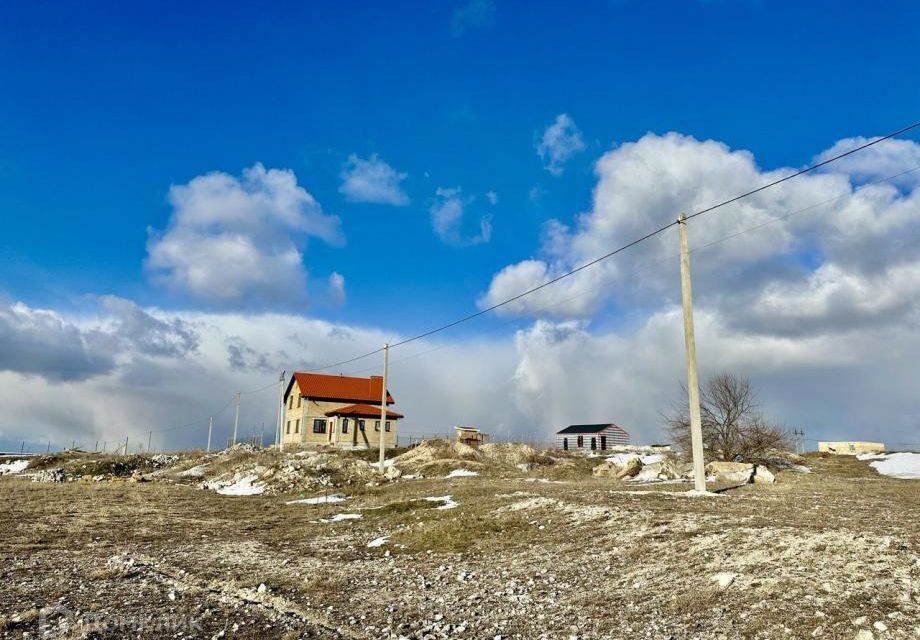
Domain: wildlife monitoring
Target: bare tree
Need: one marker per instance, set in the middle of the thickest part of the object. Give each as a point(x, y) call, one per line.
point(733, 427)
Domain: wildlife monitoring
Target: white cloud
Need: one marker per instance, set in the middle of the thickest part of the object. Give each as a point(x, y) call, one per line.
point(492, 197)
point(819, 309)
point(878, 161)
point(236, 240)
point(643, 185)
point(560, 142)
point(372, 180)
point(544, 377)
point(337, 289)
point(473, 14)
point(447, 213)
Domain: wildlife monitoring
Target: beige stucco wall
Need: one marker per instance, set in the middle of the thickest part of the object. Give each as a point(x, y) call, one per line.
point(310, 410)
point(850, 448)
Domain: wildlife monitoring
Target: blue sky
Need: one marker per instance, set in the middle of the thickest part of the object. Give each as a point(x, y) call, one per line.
point(107, 106)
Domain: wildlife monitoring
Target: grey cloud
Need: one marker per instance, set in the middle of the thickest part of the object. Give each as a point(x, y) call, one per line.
point(43, 343)
point(173, 338)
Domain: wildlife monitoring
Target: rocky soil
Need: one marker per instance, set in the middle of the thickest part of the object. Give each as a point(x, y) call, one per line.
point(529, 548)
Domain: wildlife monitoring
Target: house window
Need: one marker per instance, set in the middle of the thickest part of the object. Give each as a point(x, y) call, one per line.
point(361, 425)
point(376, 425)
point(299, 400)
point(387, 425)
point(290, 402)
point(565, 444)
point(297, 426)
point(603, 443)
point(593, 444)
point(344, 425)
point(581, 442)
point(319, 425)
point(288, 426)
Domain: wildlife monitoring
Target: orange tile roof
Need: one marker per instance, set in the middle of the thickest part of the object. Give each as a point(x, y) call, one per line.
point(332, 387)
point(363, 411)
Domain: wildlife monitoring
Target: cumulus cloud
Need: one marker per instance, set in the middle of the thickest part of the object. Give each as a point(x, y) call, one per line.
point(857, 230)
point(41, 342)
point(237, 240)
point(492, 197)
point(447, 213)
point(473, 14)
point(337, 289)
point(372, 180)
point(560, 141)
point(50, 345)
point(881, 160)
point(804, 304)
point(820, 309)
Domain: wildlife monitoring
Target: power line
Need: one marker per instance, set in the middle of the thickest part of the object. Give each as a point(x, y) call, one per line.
point(661, 260)
point(623, 248)
point(805, 170)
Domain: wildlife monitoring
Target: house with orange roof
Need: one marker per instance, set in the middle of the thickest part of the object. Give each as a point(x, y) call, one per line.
point(342, 411)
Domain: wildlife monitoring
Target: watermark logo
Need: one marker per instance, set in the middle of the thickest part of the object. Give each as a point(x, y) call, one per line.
point(58, 619)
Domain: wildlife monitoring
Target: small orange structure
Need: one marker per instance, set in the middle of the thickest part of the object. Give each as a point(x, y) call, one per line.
point(470, 435)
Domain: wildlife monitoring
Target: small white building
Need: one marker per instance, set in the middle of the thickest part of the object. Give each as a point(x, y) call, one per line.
point(591, 437)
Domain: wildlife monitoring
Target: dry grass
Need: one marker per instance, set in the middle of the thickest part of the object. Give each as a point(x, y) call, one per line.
point(601, 554)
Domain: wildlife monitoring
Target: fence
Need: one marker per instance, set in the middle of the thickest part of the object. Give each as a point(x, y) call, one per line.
point(256, 440)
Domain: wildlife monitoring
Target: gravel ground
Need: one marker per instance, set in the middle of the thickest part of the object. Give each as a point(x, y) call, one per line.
point(831, 554)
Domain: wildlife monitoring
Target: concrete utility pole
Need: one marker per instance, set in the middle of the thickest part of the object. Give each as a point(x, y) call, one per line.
point(126, 445)
point(236, 418)
point(383, 408)
point(693, 384)
point(210, 427)
point(149, 436)
point(280, 411)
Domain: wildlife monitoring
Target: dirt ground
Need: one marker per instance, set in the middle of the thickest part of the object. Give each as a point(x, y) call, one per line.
point(831, 554)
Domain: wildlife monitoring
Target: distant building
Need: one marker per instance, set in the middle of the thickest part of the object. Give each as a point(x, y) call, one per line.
point(342, 411)
point(850, 448)
point(470, 436)
point(591, 437)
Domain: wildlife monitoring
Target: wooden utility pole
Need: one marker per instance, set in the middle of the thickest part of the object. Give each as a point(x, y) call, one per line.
point(236, 418)
point(383, 408)
point(126, 445)
point(280, 411)
point(693, 384)
point(210, 427)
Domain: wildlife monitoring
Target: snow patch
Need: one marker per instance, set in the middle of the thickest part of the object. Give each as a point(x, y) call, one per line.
point(448, 501)
point(378, 542)
point(339, 517)
point(622, 459)
point(329, 499)
point(195, 472)
point(898, 465)
point(461, 473)
point(245, 486)
point(16, 466)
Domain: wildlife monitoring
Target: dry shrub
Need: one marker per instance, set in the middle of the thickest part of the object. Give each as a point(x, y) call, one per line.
point(733, 427)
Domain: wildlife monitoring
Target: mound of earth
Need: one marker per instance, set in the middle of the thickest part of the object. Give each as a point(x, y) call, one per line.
point(439, 457)
point(273, 473)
